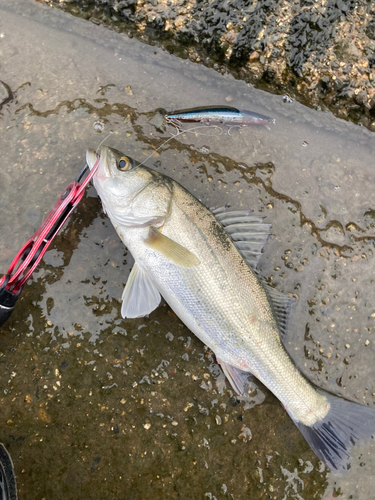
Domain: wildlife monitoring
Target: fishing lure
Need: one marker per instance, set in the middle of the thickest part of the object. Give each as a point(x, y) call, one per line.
point(216, 115)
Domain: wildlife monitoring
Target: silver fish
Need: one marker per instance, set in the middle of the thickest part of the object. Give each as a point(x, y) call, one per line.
point(203, 266)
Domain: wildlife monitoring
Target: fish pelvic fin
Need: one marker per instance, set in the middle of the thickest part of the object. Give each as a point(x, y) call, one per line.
point(171, 249)
point(140, 296)
point(333, 437)
point(238, 379)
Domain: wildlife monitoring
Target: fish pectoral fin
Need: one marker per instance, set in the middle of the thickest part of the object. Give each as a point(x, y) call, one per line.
point(170, 249)
point(238, 378)
point(140, 295)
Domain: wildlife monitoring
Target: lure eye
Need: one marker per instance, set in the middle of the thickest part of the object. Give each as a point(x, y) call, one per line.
point(124, 163)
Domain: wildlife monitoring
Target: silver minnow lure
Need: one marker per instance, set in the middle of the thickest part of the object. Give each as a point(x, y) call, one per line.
point(203, 266)
point(218, 115)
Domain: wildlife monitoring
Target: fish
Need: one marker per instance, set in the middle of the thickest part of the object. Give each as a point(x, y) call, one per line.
point(225, 115)
point(204, 265)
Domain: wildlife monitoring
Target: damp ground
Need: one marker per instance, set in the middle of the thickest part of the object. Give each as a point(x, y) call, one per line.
point(94, 406)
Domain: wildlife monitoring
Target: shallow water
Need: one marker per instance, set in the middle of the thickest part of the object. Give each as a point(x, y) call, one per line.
point(93, 406)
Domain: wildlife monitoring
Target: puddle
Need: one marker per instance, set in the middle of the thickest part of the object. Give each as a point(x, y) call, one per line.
point(94, 406)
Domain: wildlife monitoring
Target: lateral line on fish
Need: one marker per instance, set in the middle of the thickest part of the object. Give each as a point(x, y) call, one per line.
point(290, 387)
point(274, 326)
point(273, 366)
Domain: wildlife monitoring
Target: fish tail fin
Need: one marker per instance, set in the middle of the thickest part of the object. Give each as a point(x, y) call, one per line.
point(332, 437)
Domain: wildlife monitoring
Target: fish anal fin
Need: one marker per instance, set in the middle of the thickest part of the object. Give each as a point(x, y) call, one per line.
point(140, 296)
point(218, 210)
point(171, 249)
point(237, 378)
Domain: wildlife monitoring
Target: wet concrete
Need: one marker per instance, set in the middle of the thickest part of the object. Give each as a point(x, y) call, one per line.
point(94, 406)
point(319, 52)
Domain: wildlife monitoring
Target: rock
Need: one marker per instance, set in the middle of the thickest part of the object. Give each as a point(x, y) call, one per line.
point(361, 98)
point(370, 30)
point(268, 75)
point(339, 84)
point(124, 4)
point(372, 108)
point(253, 56)
point(347, 93)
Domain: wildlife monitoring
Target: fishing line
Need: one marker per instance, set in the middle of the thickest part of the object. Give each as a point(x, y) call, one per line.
point(180, 131)
point(230, 128)
point(178, 125)
point(105, 138)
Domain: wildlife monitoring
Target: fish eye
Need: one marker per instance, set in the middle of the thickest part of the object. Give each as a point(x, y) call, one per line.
point(124, 163)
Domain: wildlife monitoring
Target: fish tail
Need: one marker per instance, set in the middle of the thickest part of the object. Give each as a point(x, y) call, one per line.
point(332, 437)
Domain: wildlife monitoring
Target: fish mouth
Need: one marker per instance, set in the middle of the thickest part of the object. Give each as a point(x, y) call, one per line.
point(90, 158)
point(103, 167)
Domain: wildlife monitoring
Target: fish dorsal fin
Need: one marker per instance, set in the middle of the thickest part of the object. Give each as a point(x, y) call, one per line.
point(249, 235)
point(281, 305)
point(170, 249)
point(140, 296)
point(247, 231)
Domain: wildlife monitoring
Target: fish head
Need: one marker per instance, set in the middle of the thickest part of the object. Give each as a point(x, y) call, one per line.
point(131, 194)
point(112, 166)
